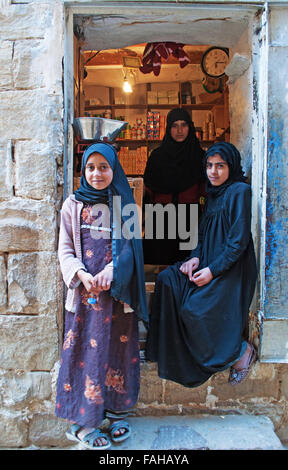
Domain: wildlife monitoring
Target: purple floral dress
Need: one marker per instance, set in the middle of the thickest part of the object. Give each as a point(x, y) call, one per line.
point(100, 357)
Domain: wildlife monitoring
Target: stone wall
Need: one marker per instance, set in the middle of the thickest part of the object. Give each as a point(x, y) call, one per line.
point(31, 156)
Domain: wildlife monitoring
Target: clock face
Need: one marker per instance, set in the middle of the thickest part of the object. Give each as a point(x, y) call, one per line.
point(214, 62)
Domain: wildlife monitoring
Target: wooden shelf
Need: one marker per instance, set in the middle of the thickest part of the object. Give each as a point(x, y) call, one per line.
point(148, 141)
point(193, 107)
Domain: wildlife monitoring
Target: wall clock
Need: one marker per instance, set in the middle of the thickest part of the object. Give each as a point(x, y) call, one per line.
point(214, 61)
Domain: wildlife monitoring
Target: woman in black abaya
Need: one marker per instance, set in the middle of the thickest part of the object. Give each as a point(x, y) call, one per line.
point(200, 307)
point(174, 175)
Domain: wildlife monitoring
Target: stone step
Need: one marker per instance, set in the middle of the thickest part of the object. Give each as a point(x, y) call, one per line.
point(200, 432)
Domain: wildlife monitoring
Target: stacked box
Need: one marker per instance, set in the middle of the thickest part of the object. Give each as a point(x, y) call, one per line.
point(173, 97)
point(133, 161)
point(153, 125)
point(141, 159)
point(152, 97)
point(163, 97)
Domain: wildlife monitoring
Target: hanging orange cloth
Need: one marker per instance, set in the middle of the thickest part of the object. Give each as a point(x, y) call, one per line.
point(155, 51)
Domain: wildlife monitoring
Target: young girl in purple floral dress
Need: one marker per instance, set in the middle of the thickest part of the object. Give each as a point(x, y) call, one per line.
point(99, 374)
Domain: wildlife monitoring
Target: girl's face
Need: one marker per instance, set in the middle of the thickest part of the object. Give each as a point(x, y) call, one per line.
point(179, 130)
point(98, 172)
point(217, 170)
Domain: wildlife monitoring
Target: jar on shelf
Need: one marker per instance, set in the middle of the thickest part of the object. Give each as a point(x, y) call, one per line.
point(211, 130)
point(108, 114)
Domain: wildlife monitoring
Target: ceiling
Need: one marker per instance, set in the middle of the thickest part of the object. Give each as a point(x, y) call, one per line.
point(126, 31)
point(123, 27)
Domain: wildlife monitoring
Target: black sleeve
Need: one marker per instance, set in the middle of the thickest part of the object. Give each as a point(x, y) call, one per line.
point(196, 253)
point(239, 218)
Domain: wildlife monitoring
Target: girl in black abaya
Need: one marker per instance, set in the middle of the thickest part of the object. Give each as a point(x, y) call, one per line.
point(200, 307)
point(174, 174)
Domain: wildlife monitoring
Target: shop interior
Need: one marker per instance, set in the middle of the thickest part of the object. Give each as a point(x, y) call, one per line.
point(112, 84)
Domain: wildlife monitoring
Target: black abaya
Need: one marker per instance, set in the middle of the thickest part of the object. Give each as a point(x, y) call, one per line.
point(197, 331)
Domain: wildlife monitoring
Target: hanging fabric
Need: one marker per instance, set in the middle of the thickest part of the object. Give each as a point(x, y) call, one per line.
point(155, 51)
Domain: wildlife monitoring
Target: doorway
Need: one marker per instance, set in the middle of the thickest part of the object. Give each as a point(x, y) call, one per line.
point(199, 27)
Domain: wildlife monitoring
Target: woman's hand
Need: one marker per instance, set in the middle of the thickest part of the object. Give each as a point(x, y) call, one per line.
point(102, 280)
point(189, 266)
point(202, 277)
point(86, 279)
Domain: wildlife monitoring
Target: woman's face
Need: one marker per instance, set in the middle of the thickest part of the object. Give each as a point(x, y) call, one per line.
point(217, 170)
point(98, 172)
point(179, 130)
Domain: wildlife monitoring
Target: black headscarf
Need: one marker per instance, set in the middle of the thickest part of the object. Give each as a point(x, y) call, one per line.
point(232, 156)
point(175, 166)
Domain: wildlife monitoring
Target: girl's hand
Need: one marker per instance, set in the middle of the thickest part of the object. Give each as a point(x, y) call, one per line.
point(86, 279)
point(189, 266)
point(103, 279)
point(202, 277)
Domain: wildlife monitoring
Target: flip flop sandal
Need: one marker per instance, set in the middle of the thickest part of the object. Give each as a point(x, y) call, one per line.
point(89, 439)
point(116, 426)
point(237, 376)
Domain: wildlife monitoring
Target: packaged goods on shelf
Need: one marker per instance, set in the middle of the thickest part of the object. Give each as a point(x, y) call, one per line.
point(136, 131)
point(162, 126)
point(153, 125)
point(133, 161)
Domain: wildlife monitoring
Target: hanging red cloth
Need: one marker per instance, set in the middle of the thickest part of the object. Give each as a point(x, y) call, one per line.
point(155, 51)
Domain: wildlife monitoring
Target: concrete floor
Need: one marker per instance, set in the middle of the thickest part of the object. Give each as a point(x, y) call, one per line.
point(199, 432)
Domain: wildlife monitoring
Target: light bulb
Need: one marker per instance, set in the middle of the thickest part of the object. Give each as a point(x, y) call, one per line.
point(127, 87)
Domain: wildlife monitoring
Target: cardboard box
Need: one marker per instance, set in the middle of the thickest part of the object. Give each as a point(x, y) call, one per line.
point(152, 97)
point(163, 100)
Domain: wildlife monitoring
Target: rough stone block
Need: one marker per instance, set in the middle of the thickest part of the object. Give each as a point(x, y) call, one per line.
point(249, 389)
point(6, 178)
point(151, 388)
point(28, 71)
point(41, 182)
point(284, 381)
point(27, 225)
point(32, 286)
point(25, 20)
point(38, 63)
point(28, 343)
point(22, 387)
point(6, 80)
point(175, 393)
point(26, 114)
point(47, 430)
point(3, 283)
point(13, 429)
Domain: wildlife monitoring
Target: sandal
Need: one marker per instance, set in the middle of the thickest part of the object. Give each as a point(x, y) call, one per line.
point(237, 376)
point(89, 439)
point(114, 427)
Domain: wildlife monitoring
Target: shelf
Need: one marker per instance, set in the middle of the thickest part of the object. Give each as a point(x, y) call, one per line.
point(141, 141)
point(193, 107)
point(148, 141)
